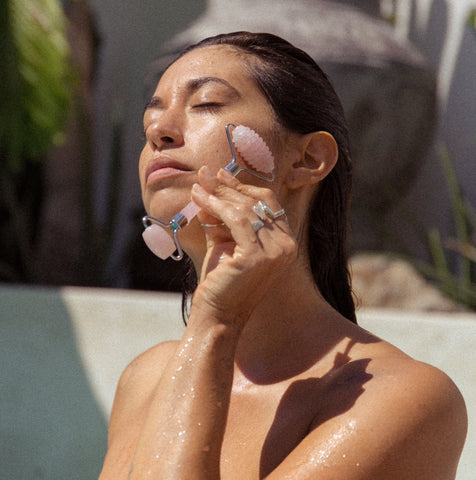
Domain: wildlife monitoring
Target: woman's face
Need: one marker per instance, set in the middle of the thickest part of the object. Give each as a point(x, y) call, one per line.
point(185, 121)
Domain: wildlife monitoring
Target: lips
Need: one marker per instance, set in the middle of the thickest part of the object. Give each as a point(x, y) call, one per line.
point(163, 167)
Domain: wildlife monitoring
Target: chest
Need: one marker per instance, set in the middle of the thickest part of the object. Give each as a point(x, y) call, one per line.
point(263, 427)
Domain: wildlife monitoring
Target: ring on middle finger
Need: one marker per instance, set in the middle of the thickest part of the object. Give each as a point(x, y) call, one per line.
point(256, 225)
point(263, 211)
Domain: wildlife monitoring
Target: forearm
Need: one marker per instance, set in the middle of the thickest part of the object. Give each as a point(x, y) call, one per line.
point(183, 433)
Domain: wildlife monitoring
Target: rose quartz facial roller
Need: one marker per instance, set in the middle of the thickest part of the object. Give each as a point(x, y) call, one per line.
point(253, 150)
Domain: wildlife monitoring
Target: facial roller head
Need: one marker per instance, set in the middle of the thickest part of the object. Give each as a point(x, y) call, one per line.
point(253, 149)
point(159, 241)
point(256, 154)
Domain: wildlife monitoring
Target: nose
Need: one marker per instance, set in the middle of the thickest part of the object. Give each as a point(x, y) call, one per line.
point(165, 132)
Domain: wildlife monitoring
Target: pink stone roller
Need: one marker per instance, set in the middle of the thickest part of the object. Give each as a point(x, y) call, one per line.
point(255, 153)
point(253, 149)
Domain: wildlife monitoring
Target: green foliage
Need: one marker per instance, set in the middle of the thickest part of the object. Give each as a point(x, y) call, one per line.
point(458, 278)
point(452, 264)
point(472, 20)
point(37, 79)
point(36, 91)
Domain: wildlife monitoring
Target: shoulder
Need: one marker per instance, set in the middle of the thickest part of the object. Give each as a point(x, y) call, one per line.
point(420, 415)
point(410, 419)
point(414, 389)
point(147, 365)
point(392, 374)
point(386, 416)
point(137, 384)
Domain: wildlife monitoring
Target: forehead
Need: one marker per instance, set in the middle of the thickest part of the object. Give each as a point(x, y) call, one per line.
point(221, 61)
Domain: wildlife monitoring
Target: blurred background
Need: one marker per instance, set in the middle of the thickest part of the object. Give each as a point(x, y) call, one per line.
point(75, 79)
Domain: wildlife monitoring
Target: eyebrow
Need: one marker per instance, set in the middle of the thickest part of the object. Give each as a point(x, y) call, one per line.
point(192, 86)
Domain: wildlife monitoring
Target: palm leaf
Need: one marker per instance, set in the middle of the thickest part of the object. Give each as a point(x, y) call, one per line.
point(38, 78)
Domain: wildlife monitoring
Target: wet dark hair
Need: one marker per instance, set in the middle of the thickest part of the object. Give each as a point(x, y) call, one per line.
point(305, 101)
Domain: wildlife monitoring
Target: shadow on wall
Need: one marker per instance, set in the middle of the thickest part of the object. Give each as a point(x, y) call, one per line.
point(50, 424)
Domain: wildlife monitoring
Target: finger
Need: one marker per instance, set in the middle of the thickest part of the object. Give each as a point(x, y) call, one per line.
point(237, 216)
point(238, 239)
point(208, 180)
point(273, 209)
point(241, 204)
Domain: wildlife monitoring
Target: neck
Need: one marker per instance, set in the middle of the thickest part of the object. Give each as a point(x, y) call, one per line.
point(288, 331)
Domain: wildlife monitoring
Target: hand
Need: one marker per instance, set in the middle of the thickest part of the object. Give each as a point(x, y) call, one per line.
point(240, 265)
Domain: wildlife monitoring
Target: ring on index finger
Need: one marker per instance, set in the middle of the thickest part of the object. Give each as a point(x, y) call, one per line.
point(264, 211)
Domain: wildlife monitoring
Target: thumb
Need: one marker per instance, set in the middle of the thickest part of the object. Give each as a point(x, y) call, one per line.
point(219, 242)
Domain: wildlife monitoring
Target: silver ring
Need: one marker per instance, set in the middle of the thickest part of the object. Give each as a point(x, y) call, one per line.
point(263, 210)
point(256, 225)
point(209, 225)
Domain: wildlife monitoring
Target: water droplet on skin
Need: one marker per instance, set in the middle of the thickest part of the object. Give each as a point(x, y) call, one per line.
point(343, 456)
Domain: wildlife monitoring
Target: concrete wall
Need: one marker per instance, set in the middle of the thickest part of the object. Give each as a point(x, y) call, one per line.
point(63, 350)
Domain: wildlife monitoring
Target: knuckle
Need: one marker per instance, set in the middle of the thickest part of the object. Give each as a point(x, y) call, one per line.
point(268, 195)
point(242, 221)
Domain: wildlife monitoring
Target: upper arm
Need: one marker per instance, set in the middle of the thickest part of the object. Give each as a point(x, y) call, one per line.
point(409, 423)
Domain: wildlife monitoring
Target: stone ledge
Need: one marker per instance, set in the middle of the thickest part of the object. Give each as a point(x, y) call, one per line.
point(63, 351)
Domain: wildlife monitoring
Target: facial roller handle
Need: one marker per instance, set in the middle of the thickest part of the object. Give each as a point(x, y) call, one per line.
point(190, 211)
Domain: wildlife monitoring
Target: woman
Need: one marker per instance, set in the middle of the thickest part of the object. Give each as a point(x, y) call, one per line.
point(272, 378)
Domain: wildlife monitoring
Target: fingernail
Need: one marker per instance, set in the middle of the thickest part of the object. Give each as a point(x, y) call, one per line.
point(226, 173)
point(206, 172)
point(198, 188)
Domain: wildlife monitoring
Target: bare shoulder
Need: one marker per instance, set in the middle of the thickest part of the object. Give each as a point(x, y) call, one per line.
point(420, 415)
point(404, 419)
point(131, 403)
point(417, 390)
point(137, 384)
point(147, 365)
point(418, 410)
point(419, 386)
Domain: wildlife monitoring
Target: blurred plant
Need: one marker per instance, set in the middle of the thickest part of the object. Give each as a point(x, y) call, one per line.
point(452, 260)
point(37, 76)
point(35, 94)
point(472, 20)
point(457, 279)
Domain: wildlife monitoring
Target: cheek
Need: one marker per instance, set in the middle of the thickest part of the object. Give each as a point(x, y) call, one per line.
point(141, 167)
point(211, 148)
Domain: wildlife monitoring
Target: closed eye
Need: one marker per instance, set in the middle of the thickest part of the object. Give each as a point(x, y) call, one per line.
point(208, 106)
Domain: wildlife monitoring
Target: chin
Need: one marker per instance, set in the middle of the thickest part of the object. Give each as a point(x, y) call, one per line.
point(164, 206)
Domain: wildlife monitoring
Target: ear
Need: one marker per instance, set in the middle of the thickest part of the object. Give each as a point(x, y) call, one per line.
point(319, 153)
